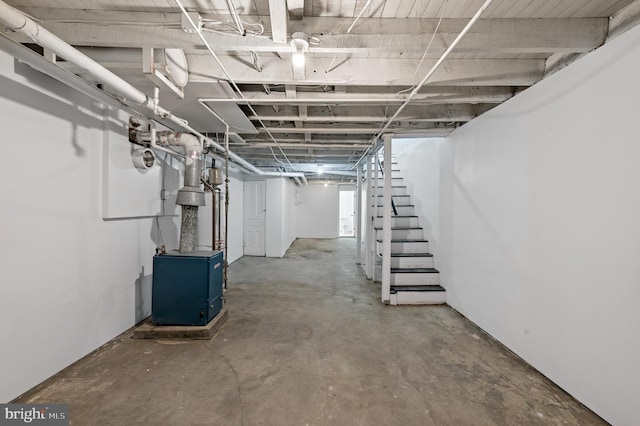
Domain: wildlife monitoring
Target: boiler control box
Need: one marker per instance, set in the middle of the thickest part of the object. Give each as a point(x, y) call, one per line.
point(187, 288)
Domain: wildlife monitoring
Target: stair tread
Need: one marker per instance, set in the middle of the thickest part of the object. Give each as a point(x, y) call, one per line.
point(392, 186)
point(395, 289)
point(400, 228)
point(403, 195)
point(414, 270)
point(407, 216)
point(413, 240)
point(411, 255)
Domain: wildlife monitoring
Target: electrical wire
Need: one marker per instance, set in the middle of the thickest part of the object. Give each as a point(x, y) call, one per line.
point(329, 69)
point(424, 55)
point(233, 29)
point(444, 8)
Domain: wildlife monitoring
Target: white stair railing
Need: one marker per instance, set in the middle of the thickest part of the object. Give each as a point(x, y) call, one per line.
point(386, 222)
point(370, 239)
point(359, 215)
point(374, 198)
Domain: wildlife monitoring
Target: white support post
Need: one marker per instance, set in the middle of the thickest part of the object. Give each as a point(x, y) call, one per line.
point(386, 223)
point(359, 216)
point(374, 234)
point(369, 237)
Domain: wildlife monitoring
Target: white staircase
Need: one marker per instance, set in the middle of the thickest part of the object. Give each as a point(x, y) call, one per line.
point(413, 278)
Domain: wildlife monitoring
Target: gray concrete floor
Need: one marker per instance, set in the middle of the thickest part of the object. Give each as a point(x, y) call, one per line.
point(309, 343)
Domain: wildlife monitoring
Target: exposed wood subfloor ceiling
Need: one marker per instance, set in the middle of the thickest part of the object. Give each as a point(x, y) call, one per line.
point(363, 60)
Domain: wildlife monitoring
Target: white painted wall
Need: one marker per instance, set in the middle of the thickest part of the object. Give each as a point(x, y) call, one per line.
point(288, 214)
point(419, 163)
point(317, 212)
point(538, 239)
point(274, 217)
point(280, 214)
point(71, 280)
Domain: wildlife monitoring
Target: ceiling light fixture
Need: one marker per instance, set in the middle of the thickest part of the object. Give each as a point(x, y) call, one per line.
point(320, 170)
point(299, 45)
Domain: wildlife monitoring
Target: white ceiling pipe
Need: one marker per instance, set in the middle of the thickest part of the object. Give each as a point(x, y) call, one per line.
point(224, 70)
point(37, 62)
point(18, 22)
point(235, 167)
point(377, 138)
point(233, 156)
point(236, 18)
point(286, 174)
point(433, 69)
point(154, 142)
point(252, 167)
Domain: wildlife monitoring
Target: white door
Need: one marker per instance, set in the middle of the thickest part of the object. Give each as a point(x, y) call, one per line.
point(347, 213)
point(255, 204)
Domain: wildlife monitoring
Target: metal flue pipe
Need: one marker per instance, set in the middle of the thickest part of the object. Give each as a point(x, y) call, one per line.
point(190, 196)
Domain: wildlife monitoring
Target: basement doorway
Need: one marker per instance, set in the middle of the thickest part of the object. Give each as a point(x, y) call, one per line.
point(347, 209)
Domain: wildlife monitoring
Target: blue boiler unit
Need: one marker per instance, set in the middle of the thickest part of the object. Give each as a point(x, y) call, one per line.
point(187, 287)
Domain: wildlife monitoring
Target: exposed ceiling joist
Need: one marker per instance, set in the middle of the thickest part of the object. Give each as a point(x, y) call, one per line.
point(278, 15)
point(356, 76)
point(398, 72)
point(380, 95)
point(372, 130)
point(389, 36)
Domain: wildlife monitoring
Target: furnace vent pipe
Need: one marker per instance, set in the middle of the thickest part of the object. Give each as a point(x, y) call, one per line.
point(190, 196)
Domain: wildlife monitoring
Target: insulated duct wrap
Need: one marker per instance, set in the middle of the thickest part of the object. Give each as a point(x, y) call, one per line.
point(188, 229)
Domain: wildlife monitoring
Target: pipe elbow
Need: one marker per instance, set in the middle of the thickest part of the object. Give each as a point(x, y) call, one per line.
point(190, 142)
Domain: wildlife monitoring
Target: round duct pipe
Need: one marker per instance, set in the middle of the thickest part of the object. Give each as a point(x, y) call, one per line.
point(143, 158)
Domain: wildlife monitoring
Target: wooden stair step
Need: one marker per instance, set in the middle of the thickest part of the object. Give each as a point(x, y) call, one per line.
point(400, 228)
point(414, 271)
point(395, 289)
point(407, 241)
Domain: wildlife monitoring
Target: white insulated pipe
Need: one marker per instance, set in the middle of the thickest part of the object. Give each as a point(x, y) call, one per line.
point(193, 153)
point(18, 22)
point(242, 160)
point(37, 62)
point(288, 174)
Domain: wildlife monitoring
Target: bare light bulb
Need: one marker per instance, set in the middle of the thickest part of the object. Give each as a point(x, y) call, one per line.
point(297, 59)
point(299, 43)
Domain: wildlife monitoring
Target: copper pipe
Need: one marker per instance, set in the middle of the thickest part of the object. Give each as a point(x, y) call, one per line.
point(213, 212)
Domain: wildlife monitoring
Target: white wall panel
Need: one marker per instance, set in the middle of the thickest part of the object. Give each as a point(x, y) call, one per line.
point(539, 230)
point(70, 281)
point(317, 212)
